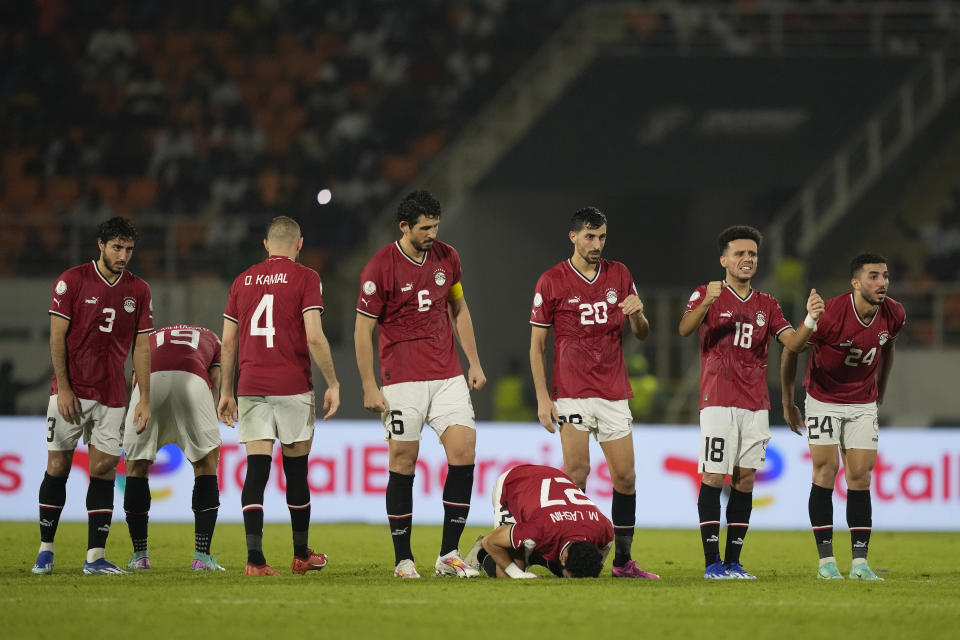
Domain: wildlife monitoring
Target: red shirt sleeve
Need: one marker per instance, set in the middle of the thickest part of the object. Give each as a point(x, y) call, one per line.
point(312, 297)
point(145, 306)
point(696, 298)
point(543, 303)
point(65, 292)
point(372, 297)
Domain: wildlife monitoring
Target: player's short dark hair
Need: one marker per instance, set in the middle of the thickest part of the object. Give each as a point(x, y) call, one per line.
point(584, 560)
point(738, 232)
point(117, 227)
point(589, 217)
point(864, 258)
point(418, 203)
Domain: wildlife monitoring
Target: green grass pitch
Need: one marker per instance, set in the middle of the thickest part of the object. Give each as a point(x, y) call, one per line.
point(357, 597)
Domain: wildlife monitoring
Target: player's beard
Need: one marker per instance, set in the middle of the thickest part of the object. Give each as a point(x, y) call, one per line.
point(421, 248)
point(875, 300)
point(111, 265)
point(591, 257)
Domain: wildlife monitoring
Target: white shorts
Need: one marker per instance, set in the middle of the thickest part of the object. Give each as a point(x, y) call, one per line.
point(852, 426)
point(439, 403)
point(182, 413)
point(606, 419)
point(288, 419)
point(501, 515)
point(100, 425)
point(733, 437)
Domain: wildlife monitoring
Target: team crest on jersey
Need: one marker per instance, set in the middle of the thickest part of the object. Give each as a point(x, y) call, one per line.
point(129, 305)
point(611, 296)
point(439, 277)
point(61, 288)
point(369, 287)
point(694, 296)
point(761, 319)
point(883, 337)
point(537, 299)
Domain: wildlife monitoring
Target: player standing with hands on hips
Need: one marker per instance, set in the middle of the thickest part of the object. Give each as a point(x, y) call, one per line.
point(97, 311)
point(587, 300)
point(850, 363)
point(274, 313)
point(410, 291)
point(735, 324)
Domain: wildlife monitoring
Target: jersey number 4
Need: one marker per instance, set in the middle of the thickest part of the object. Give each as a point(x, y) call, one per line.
point(264, 313)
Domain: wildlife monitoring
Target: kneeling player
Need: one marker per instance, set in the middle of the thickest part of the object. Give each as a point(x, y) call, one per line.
point(543, 518)
point(185, 380)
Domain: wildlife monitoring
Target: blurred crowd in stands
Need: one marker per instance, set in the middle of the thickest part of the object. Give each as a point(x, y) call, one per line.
point(219, 114)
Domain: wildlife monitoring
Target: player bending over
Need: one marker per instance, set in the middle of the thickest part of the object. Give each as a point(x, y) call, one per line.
point(542, 517)
point(185, 386)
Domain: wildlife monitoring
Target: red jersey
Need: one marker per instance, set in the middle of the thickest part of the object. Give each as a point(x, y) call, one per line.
point(104, 318)
point(587, 326)
point(734, 338)
point(267, 301)
point(409, 301)
point(184, 347)
point(843, 363)
point(552, 511)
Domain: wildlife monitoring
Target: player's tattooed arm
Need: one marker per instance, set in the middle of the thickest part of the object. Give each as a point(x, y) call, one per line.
point(788, 379)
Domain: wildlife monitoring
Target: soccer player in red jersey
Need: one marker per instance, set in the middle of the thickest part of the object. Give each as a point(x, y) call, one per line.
point(851, 358)
point(736, 324)
point(542, 517)
point(410, 291)
point(97, 311)
point(274, 313)
point(587, 300)
point(184, 389)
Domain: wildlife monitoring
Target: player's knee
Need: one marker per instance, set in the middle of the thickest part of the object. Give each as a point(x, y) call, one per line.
point(59, 466)
point(857, 479)
point(825, 474)
point(138, 468)
point(578, 472)
point(624, 481)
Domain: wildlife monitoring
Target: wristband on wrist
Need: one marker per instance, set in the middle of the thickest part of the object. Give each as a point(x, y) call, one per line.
point(513, 570)
point(810, 323)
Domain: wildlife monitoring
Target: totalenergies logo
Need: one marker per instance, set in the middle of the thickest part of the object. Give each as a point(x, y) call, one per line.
point(690, 468)
point(169, 460)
